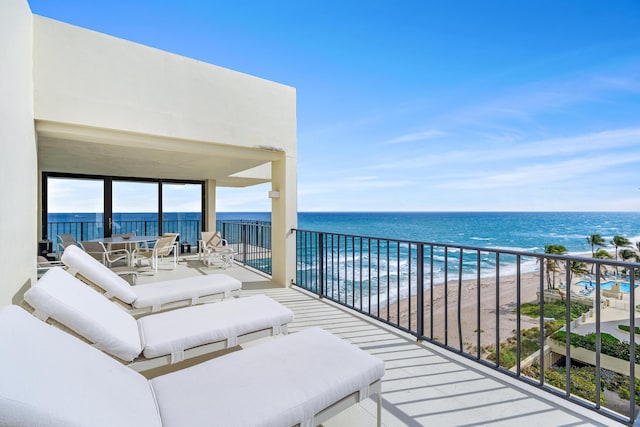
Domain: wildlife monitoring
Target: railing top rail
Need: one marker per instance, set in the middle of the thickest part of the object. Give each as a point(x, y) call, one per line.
point(248, 222)
point(611, 262)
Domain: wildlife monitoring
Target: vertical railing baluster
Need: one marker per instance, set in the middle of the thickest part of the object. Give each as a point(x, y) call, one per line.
point(478, 304)
point(497, 308)
point(632, 342)
point(460, 264)
point(518, 331)
point(596, 308)
point(446, 295)
point(353, 271)
point(321, 263)
point(409, 286)
point(338, 269)
point(398, 280)
point(360, 274)
point(369, 274)
point(420, 291)
point(388, 279)
point(542, 338)
point(567, 345)
point(431, 283)
point(378, 279)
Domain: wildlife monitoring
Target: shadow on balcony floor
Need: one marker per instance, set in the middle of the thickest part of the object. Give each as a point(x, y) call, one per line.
point(423, 384)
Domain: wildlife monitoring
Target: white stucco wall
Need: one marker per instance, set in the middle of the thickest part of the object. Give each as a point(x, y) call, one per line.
point(18, 159)
point(88, 78)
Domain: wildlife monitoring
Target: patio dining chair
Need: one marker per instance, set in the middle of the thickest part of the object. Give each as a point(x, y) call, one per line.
point(163, 247)
point(105, 256)
point(64, 240)
point(212, 245)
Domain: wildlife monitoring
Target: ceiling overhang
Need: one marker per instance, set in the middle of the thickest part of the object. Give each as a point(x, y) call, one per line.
point(73, 149)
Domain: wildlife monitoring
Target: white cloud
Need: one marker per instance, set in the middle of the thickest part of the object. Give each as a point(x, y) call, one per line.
point(350, 184)
point(532, 175)
point(249, 199)
point(413, 137)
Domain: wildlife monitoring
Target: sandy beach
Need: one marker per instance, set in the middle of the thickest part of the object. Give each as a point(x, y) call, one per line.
point(435, 316)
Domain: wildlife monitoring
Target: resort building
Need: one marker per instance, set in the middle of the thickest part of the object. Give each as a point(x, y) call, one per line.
point(74, 101)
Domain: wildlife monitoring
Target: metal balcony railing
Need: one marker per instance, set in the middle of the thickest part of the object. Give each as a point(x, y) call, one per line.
point(522, 313)
point(188, 230)
point(537, 306)
point(251, 241)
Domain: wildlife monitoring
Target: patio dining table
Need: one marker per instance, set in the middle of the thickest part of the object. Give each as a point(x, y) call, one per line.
point(132, 239)
point(130, 242)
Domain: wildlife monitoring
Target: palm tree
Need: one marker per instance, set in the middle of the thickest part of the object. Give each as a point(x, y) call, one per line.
point(595, 240)
point(602, 254)
point(552, 264)
point(577, 268)
point(627, 254)
point(619, 242)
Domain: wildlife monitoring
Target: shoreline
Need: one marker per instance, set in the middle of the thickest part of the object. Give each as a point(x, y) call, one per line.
point(435, 317)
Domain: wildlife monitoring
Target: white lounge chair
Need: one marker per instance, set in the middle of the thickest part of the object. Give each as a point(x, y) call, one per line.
point(213, 246)
point(158, 339)
point(51, 378)
point(150, 297)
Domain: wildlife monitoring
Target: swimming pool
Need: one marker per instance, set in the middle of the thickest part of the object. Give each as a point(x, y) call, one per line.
point(624, 286)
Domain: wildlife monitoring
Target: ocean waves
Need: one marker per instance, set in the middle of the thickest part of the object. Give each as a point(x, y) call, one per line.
point(363, 270)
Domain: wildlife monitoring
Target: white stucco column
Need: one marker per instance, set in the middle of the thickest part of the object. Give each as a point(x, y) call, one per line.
point(284, 217)
point(210, 205)
point(19, 159)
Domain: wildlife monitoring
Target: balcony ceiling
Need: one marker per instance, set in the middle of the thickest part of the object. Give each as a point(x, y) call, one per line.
point(80, 150)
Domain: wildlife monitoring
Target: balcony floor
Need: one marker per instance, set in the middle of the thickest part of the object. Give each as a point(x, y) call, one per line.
point(423, 384)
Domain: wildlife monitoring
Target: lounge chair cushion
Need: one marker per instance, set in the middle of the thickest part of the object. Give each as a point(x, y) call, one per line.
point(151, 295)
point(49, 378)
point(174, 331)
point(78, 260)
point(72, 303)
point(159, 293)
point(281, 382)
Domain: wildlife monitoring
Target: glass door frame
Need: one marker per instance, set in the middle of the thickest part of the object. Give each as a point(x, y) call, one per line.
point(108, 197)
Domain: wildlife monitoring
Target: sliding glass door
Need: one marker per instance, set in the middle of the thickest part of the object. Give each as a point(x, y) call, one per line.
point(135, 208)
point(181, 211)
point(73, 206)
point(91, 207)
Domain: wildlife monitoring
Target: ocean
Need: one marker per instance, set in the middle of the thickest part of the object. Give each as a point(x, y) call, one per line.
point(527, 231)
point(523, 231)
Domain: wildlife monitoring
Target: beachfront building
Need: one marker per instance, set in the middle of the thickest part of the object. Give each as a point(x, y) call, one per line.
point(82, 103)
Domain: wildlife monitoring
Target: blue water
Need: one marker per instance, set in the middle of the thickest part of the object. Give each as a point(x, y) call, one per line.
point(493, 230)
point(624, 286)
point(528, 231)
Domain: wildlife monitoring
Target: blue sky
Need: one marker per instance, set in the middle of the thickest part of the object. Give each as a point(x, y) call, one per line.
point(424, 105)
